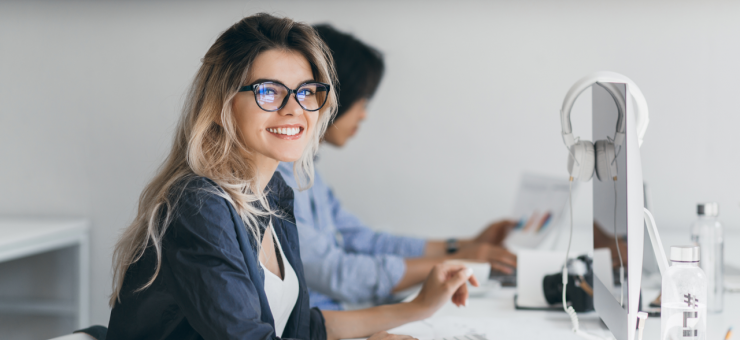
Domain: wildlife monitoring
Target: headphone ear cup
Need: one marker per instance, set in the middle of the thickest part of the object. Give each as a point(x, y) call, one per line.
point(606, 167)
point(581, 161)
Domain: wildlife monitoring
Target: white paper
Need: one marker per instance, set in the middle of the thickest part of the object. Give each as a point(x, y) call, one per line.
point(540, 204)
point(517, 326)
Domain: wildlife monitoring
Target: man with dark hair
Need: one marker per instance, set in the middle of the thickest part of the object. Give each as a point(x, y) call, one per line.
point(345, 261)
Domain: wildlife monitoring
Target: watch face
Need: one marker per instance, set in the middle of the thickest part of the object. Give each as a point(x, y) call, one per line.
point(451, 246)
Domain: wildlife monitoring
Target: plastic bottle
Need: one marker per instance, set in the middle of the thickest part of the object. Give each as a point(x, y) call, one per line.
point(683, 305)
point(707, 233)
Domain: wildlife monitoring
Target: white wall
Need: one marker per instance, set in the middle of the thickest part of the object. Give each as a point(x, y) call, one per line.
point(89, 95)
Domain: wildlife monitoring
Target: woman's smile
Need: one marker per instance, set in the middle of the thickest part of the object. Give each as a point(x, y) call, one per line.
point(287, 132)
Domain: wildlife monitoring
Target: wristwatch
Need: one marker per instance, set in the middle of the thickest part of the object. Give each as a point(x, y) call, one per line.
point(452, 245)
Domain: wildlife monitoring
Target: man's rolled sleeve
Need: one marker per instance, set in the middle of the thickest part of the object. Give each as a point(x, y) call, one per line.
point(345, 276)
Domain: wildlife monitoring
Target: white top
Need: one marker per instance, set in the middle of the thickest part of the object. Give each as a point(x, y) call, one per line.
point(281, 294)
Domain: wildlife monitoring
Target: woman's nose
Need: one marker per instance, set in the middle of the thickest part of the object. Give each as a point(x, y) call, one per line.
point(292, 107)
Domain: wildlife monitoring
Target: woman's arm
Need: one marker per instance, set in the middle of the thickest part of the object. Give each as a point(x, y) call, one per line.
point(364, 322)
point(446, 281)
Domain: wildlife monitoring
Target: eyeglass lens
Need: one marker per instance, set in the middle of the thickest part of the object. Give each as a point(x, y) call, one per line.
point(272, 96)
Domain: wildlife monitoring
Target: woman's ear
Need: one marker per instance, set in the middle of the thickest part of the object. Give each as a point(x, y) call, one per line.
point(218, 119)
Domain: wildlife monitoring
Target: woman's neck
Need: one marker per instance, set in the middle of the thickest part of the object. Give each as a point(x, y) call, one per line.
point(266, 167)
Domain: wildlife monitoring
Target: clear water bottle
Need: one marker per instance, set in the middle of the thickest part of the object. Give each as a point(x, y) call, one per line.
point(683, 308)
point(707, 233)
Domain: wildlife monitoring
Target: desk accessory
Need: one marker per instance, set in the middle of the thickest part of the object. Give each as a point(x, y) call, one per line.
point(579, 291)
point(683, 306)
point(707, 234)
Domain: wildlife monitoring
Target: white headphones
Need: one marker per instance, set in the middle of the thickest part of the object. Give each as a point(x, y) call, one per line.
point(583, 158)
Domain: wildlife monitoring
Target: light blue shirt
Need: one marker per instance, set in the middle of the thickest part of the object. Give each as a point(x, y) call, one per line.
point(344, 260)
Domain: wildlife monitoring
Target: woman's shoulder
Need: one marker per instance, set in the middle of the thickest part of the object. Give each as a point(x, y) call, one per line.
point(196, 184)
point(199, 214)
point(281, 196)
point(197, 195)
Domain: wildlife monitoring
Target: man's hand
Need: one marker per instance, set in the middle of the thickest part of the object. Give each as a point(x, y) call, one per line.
point(496, 232)
point(603, 239)
point(500, 259)
point(615, 254)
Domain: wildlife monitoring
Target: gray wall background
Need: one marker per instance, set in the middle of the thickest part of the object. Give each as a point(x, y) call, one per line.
point(90, 92)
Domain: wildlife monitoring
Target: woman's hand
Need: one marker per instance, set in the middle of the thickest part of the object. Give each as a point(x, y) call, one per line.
point(386, 336)
point(446, 281)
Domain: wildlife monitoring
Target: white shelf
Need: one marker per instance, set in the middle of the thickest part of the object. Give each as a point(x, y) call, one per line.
point(22, 237)
point(36, 306)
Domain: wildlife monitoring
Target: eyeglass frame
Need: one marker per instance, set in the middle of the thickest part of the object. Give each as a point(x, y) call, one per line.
point(291, 93)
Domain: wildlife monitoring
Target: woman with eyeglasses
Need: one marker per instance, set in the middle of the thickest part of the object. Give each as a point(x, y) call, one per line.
point(213, 252)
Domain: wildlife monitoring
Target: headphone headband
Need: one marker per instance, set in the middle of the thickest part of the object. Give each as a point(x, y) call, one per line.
point(606, 79)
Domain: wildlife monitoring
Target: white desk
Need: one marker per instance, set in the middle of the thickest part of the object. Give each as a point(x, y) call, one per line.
point(22, 237)
point(494, 314)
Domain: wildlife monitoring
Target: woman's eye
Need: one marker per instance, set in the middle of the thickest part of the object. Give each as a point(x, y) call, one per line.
point(305, 92)
point(269, 91)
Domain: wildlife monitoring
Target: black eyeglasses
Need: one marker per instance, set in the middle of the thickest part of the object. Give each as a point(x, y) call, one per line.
point(272, 96)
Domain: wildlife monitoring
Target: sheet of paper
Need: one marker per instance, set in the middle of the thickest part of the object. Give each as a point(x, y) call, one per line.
point(540, 204)
point(551, 326)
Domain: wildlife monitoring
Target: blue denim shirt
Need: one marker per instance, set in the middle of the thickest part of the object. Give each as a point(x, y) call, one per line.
point(345, 261)
point(211, 285)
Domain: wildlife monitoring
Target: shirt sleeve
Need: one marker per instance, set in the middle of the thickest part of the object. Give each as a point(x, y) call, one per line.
point(345, 276)
point(205, 270)
point(340, 273)
point(359, 238)
point(318, 328)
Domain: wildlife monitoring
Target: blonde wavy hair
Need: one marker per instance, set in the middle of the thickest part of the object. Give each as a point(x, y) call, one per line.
point(207, 140)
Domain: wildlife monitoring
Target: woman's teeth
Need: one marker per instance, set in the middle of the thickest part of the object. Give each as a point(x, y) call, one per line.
point(285, 131)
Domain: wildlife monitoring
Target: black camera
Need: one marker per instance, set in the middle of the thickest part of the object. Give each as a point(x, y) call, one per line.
point(579, 291)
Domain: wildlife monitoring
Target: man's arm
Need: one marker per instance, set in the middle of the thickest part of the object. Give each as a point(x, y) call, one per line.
point(344, 276)
point(486, 247)
point(439, 248)
point(420, 256)
point(493, 234)
point(418, 268)
point(358, 238)
point(602, 239)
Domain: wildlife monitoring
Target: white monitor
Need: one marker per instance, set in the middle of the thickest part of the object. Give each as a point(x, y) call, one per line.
point(626, 217)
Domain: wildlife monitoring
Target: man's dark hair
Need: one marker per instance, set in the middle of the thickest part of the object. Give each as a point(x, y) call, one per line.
point(359, 67)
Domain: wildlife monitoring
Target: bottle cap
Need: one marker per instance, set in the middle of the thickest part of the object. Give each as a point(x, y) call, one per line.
point(707, 209)
point(685, 253)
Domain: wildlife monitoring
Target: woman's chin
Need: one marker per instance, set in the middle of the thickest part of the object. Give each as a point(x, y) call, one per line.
point(287, 157)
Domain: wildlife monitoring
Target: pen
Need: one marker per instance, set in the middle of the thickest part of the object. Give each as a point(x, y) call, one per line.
point(729, 334)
